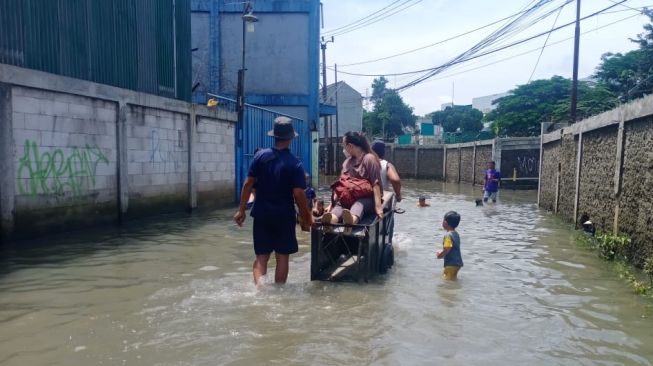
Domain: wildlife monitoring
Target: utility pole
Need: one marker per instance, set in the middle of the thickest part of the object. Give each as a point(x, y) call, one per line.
point(327, 140)
point(574, 82)
point(335, 67)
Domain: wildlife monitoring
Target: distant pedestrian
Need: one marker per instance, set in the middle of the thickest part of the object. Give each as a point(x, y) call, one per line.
point(450, 252)
point(278, 177)
point(421, 202)
point(491, 183)
point(390, 181)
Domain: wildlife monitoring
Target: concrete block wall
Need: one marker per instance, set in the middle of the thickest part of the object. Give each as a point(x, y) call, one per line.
point(467, 164)
point(65, 157)
point(214, 166)
point(635, 205)
point(483, 155)
point(452, 165)
point(550, 177)
point(404, 161)
point(614, 179)
point(430, 160)
point(157, 155)
point(596, 195)
point(568, 157)
point(75, 153)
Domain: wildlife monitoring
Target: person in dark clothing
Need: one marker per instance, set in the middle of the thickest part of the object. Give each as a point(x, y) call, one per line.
point(278, 177)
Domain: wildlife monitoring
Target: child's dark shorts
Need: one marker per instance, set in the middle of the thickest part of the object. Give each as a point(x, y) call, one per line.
point(275, 234)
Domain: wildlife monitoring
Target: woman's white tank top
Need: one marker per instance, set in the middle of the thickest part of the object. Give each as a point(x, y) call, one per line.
point(384, 175)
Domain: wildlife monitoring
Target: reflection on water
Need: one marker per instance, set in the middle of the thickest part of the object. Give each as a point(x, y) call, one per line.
point(177, 291)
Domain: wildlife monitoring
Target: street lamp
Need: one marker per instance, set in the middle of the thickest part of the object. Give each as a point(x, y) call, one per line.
point(248, 19)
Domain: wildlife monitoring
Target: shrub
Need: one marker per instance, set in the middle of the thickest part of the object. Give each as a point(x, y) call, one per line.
point(611, 247)
point(648, 268)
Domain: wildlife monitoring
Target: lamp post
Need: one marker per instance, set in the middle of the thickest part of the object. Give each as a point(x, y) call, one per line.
point(247, 17)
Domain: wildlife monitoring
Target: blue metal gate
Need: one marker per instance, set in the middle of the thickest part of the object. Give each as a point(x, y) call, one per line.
point(253, 134)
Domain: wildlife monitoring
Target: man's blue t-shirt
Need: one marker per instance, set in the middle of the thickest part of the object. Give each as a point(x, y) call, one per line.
point(490, 184)
point(277, 173)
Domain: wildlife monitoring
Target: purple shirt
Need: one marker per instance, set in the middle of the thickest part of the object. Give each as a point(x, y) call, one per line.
point(492, 178)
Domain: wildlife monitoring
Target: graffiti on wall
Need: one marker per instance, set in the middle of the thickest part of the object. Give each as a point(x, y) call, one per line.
point(525, 163)
point(528, 165)
point(53, 172)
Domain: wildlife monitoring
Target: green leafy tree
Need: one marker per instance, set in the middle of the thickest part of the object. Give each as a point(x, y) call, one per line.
point(379, 89)
point(528, 105)
point(630, 75)
point(389, 116)
point(465, 117)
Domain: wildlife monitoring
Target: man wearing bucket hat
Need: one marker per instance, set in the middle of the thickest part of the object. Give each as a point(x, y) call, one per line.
point(278, 177)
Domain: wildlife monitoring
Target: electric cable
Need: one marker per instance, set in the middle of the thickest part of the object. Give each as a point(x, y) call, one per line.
point(544, 46)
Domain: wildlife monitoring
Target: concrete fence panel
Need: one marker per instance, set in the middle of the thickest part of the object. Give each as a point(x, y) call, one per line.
point(430, 160)
point(76, 153)
point(603, 166)
point(467, 164)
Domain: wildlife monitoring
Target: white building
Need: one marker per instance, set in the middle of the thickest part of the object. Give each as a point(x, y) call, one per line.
point(484, 104)
point(349, 106)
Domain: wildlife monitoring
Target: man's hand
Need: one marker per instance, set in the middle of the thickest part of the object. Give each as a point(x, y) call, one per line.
point(398, 197)
point(306, 225)
point(239, 217)
point(438, 254)
point(379, 211)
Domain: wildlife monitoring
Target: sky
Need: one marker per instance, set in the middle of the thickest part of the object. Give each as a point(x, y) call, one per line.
point(429, 21)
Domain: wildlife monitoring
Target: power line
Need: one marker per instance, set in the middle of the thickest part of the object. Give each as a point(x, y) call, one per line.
point(624, 5)
point(504, 59)
point(436, 70)
point(379, 18)
point(361, 19)
point(543, 46)
point(532, 50)
point(436, 43)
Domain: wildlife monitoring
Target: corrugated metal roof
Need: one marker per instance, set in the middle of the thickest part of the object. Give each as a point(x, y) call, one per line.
point(141, 45)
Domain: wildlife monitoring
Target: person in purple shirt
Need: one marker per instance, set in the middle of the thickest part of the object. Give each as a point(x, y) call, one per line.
point(491, 183)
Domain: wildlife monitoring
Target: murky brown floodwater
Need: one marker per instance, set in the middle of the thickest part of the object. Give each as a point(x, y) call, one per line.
point(178, 292)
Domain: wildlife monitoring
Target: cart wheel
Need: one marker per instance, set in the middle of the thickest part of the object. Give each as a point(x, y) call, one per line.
point(387, 259)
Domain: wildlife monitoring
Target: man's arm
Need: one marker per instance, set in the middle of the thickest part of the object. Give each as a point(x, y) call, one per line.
point(302, 204)
point(378, 200)
point(395, 181)
point(239, 217)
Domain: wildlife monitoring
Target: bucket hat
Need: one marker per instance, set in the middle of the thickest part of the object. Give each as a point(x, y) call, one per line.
point(283, 129)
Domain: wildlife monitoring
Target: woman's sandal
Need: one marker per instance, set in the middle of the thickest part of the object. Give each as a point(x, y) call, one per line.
point(347, 219)
point(326, 222)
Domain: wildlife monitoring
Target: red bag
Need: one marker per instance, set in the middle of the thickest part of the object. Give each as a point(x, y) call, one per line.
point(348, 190)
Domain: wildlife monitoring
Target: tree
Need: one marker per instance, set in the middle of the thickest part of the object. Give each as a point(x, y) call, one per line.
point(465, 117)
point(389, 116)
point(379, 89)
point(521, 112)
point(630, 75)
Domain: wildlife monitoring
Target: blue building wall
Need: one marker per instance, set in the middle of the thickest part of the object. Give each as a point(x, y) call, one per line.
point(282, 54)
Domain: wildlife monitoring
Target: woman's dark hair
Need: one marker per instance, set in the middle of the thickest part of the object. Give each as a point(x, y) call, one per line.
point(358, 139)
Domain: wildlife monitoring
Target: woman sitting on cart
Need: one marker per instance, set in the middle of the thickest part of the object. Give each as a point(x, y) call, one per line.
point(358, 191)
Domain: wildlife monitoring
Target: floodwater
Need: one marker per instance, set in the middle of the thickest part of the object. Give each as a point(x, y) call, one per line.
point(177, 291)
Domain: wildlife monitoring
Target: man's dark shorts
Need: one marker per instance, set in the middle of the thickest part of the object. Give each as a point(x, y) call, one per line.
point(275, 234)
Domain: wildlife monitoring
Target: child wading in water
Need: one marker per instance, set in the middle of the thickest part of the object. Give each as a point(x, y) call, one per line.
point(453, 260)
